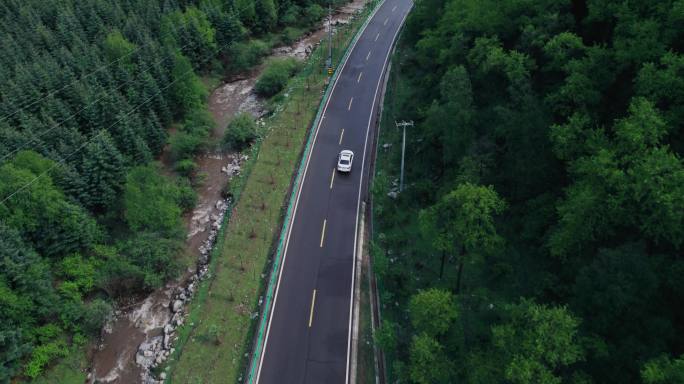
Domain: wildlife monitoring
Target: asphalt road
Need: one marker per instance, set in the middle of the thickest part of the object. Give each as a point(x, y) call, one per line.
point(309, 332)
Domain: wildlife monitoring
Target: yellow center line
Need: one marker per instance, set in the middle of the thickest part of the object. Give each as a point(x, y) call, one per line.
point(350, 103)
point(367, 56)
point(359, 78)
point(394, 9)
point(313, 302)
point(332, 178)
point(386, 20)
point(341, 135)
point(323, 232)
point(376, 36)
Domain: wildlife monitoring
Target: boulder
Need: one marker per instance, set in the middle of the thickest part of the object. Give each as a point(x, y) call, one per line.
point(177, 305)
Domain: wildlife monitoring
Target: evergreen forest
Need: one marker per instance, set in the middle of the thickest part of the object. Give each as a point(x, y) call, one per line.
point(539, 234)
point(89, 92)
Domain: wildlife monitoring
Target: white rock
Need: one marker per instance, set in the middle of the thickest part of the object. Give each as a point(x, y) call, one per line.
point(177, 305)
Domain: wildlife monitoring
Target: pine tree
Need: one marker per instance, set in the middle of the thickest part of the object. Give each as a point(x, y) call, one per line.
point(103, 173)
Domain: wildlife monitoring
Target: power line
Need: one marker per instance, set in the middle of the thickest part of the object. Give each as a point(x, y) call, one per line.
point(38, 136)
point(54, 92)
point(63, 159)
point(58, 163)
point(104, 94)
point(73, 82)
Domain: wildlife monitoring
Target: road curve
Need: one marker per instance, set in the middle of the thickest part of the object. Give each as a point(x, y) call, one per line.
point(308, 335)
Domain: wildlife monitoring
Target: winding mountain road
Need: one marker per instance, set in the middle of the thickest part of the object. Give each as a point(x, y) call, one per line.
point(308, 337)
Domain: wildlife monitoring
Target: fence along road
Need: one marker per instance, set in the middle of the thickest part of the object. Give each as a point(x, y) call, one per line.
point(308, 335)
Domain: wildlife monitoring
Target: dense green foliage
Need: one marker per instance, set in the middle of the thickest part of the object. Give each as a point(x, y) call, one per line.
point(88, 90)
point(545, 193)
point(240, 131)
point(275, 76)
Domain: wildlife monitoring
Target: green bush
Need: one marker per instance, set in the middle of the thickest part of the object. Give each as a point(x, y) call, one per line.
point(120, 275)
point(187, 197)
point(275, 76)
point(151, 202)
point(198, 122)
point(95, 315)
point(290, 35)
point(291, 15)
point(240, 132)
point(246, 55)
point(185, 145)
point(186, 167)
point(312, 15)
point(82, 272)
point(46, 333)
point(154, 256)
point(43, 355)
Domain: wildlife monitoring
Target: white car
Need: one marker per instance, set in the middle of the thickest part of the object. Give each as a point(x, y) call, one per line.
point(344, 161)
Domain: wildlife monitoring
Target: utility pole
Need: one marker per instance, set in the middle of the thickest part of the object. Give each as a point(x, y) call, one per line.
point(330, 37)
point(403, 124)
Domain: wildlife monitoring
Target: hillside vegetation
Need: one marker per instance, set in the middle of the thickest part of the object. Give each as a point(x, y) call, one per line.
point(88, 90)
point(539, 236)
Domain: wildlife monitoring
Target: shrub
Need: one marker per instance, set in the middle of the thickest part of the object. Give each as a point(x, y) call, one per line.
point(246, 55)
point(214, 334)
point(290, 35)
point(79, 339)
point(291, 15)
point(43, 355)
point(47, 332)
point(185, 145)
point(198, 122)
point(79, 271)
point(312, 15)
point(240, 132)
point(70, 291)
point(187, 197)
point(95, 315)
point(186, 167)
point(120, 276)
point(275, 76)
point(386, 336)
point(154, 256)
point(151, 201)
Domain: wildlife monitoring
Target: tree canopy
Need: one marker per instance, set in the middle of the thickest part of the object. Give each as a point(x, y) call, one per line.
point(88, 92)
point(544, 192)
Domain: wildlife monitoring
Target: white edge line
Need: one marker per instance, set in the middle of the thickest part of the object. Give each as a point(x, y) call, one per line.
point(358, 202)
point(299, 192)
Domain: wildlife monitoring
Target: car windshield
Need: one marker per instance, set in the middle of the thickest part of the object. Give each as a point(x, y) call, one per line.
point(344, 161)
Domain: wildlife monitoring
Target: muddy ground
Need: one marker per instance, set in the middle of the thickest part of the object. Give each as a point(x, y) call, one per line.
point(114, 359)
